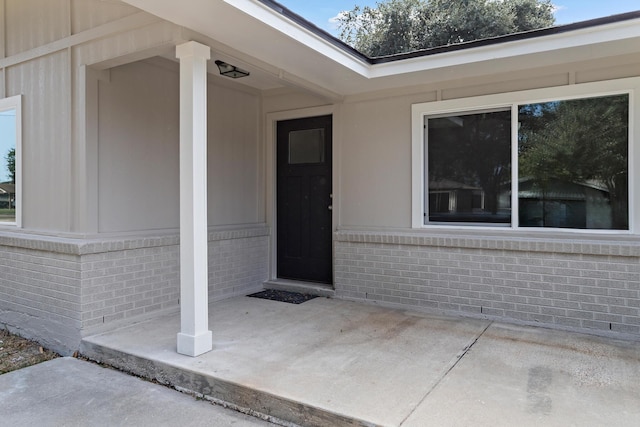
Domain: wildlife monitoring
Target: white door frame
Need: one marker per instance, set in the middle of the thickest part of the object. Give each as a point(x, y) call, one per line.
point(270, 127)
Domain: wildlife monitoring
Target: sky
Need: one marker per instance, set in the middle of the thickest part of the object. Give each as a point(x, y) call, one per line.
point(7, 140)
point(322, 12)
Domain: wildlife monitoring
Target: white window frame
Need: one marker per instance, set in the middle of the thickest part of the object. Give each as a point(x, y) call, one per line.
point(511, 100)
point(15, 103)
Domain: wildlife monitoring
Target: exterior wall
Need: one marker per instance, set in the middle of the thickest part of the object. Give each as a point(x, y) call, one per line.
point(46, 136)
point(138, 150)
point(59, 290)
point(287, 100)
point(99, 246)
point(44, 46)
point(87, 14)
point(131, 278)
point(100, 117)
point(375, 140)
point(40, 291)
point(238, 262)
point(579, 281)
point(31, 24)
point(375, 178)
point(589, 285)
point(235, 186)
point(127, 279)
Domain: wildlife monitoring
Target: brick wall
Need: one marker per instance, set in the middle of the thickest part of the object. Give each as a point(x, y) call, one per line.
point(57, 290)
point(40, 295)
point(574, 284)
point(238, 262)
point(120, 284)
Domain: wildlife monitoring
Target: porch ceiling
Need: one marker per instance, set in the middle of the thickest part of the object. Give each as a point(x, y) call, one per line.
point(280, 52)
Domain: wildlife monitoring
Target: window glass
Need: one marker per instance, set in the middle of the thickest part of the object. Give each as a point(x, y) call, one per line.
point(573, 163)
point(469, 167)
point(8, 165)
point(306, 146)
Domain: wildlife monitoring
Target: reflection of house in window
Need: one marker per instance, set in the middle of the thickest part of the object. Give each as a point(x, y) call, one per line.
point(451, 196)
point(7, 196)
point(468, 163)
point(564, 205)
point(7, 202)
point(455, 201)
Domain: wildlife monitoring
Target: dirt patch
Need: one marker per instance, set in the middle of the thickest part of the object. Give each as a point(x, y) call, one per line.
point(17, 352)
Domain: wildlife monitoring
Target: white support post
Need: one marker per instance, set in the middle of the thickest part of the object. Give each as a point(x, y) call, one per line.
point(194, 337)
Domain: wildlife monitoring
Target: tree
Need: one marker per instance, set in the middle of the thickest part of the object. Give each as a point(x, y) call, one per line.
point(11, 164)
point(399, 26)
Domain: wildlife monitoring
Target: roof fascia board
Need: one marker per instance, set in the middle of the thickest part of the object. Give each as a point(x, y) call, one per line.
point(331, 39)
point(600, 38)
point(310, 38)
point(518, 48)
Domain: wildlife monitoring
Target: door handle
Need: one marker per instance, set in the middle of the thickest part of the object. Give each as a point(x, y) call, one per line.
point(330, 207)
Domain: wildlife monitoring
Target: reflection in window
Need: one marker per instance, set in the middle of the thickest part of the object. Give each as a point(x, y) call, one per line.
point(306, 146)
point(8, 165)
point(469, 167)
point(573, 163)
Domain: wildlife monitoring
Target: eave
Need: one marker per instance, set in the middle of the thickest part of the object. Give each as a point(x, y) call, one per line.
point(301, 54)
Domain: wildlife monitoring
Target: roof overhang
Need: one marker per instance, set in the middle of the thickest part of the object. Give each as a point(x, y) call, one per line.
point(281, 44)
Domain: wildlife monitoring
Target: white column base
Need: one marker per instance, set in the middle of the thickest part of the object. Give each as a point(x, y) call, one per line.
point(195, 345)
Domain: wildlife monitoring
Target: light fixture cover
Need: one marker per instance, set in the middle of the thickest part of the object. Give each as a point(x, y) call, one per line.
point(229, 70)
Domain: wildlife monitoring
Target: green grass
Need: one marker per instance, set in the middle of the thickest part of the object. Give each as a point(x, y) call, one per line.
point(7, 215)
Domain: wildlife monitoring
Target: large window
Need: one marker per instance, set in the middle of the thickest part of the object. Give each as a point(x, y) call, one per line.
point(469, 167)
point(10, 150)
point(562, 162)
point(573, 163)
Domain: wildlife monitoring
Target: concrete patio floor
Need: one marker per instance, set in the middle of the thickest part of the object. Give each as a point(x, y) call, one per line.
point(333, 362)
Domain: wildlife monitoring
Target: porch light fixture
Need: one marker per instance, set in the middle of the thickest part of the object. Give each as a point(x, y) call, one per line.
point(232, 71)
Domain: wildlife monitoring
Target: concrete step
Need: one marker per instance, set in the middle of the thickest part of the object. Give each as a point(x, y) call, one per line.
point(239, 397)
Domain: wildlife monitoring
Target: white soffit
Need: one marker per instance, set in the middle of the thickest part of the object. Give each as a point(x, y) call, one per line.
point(261, 32)
point(256, 30)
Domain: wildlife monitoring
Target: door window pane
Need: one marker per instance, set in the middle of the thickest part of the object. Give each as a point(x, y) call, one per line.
point(573, 163)
point(469, 167)
point(306, 146)
point(8, 165)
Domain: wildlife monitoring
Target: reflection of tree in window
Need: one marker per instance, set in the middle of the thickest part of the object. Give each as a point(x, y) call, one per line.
point(7, 165)
point(11, 165)
point(469, 167)
point(573, 163)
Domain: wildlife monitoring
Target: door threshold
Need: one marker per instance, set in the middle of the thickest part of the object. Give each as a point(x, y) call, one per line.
point(310, 288)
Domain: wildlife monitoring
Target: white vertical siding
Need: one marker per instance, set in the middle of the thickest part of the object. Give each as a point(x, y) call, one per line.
point(38, 64)
point(33, 23)
point(2, 32)
point(134, 38)
point(86, 14)
point(46, 135)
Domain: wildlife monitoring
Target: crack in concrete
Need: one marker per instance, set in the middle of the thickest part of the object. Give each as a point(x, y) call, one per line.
point(457, 359)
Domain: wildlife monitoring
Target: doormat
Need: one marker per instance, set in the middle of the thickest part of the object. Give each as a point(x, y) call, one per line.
point(284, 296)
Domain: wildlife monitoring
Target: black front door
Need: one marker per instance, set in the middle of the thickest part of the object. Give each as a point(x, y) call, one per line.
point(304, 199)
